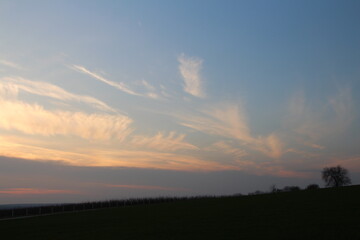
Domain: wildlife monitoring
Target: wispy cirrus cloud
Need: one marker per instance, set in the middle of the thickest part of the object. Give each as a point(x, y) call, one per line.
point(313, 124)
point(8, 91)
point(228, 149)
point(35, 120)
point(151, 90)
point(118, 85)
point(158, 160)
point(225, 120)
point(190, 68)
point(11, 64)
point(171, 142)
point(97, 157)
point(313, 145)
point(270, 145)
point(10, 86)
point(147, 85)
point(150, 93)
point(164, 91)
point(229, 120)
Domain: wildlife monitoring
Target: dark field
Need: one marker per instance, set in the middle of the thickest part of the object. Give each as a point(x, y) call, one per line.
point(311, 214)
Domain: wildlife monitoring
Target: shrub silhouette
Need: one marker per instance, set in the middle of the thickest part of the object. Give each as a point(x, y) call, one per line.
point(312, 187)
point(257, 192)
point(291, 188)
point(336, 176)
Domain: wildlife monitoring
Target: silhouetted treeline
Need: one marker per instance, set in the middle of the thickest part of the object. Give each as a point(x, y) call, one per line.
point(274, 189)
point(74, 207)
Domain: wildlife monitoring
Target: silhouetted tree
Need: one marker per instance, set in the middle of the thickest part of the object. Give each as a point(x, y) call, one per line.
point(312, 187)
point(336, 176)
point(273, 188)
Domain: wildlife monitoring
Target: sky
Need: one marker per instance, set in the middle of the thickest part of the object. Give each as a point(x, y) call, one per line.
point(118, 99)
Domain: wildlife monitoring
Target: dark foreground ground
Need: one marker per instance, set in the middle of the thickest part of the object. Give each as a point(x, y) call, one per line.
point(316, 214)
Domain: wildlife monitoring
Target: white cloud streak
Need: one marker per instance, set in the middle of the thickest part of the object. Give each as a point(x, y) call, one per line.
point(147, 85)
point(153, 95)
point(120, 86)
point(190, 71)
point(10, 86)
point(151, 90)
point(10, 64)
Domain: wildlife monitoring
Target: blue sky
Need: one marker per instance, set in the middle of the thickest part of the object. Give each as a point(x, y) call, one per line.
point(147, 98)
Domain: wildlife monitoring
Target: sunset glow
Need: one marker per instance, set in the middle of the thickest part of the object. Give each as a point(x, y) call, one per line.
point(181, 94)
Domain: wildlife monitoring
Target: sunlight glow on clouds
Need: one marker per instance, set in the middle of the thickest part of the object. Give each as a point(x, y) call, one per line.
point(97, 157)
point(89, 88)
point(34, 119)
point(229, 121)
point(190, 68)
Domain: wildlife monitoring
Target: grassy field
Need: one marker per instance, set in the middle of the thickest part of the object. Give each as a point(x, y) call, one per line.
point(316, 214)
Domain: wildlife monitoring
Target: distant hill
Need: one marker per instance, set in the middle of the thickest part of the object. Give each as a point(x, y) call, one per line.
point(331, 213)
